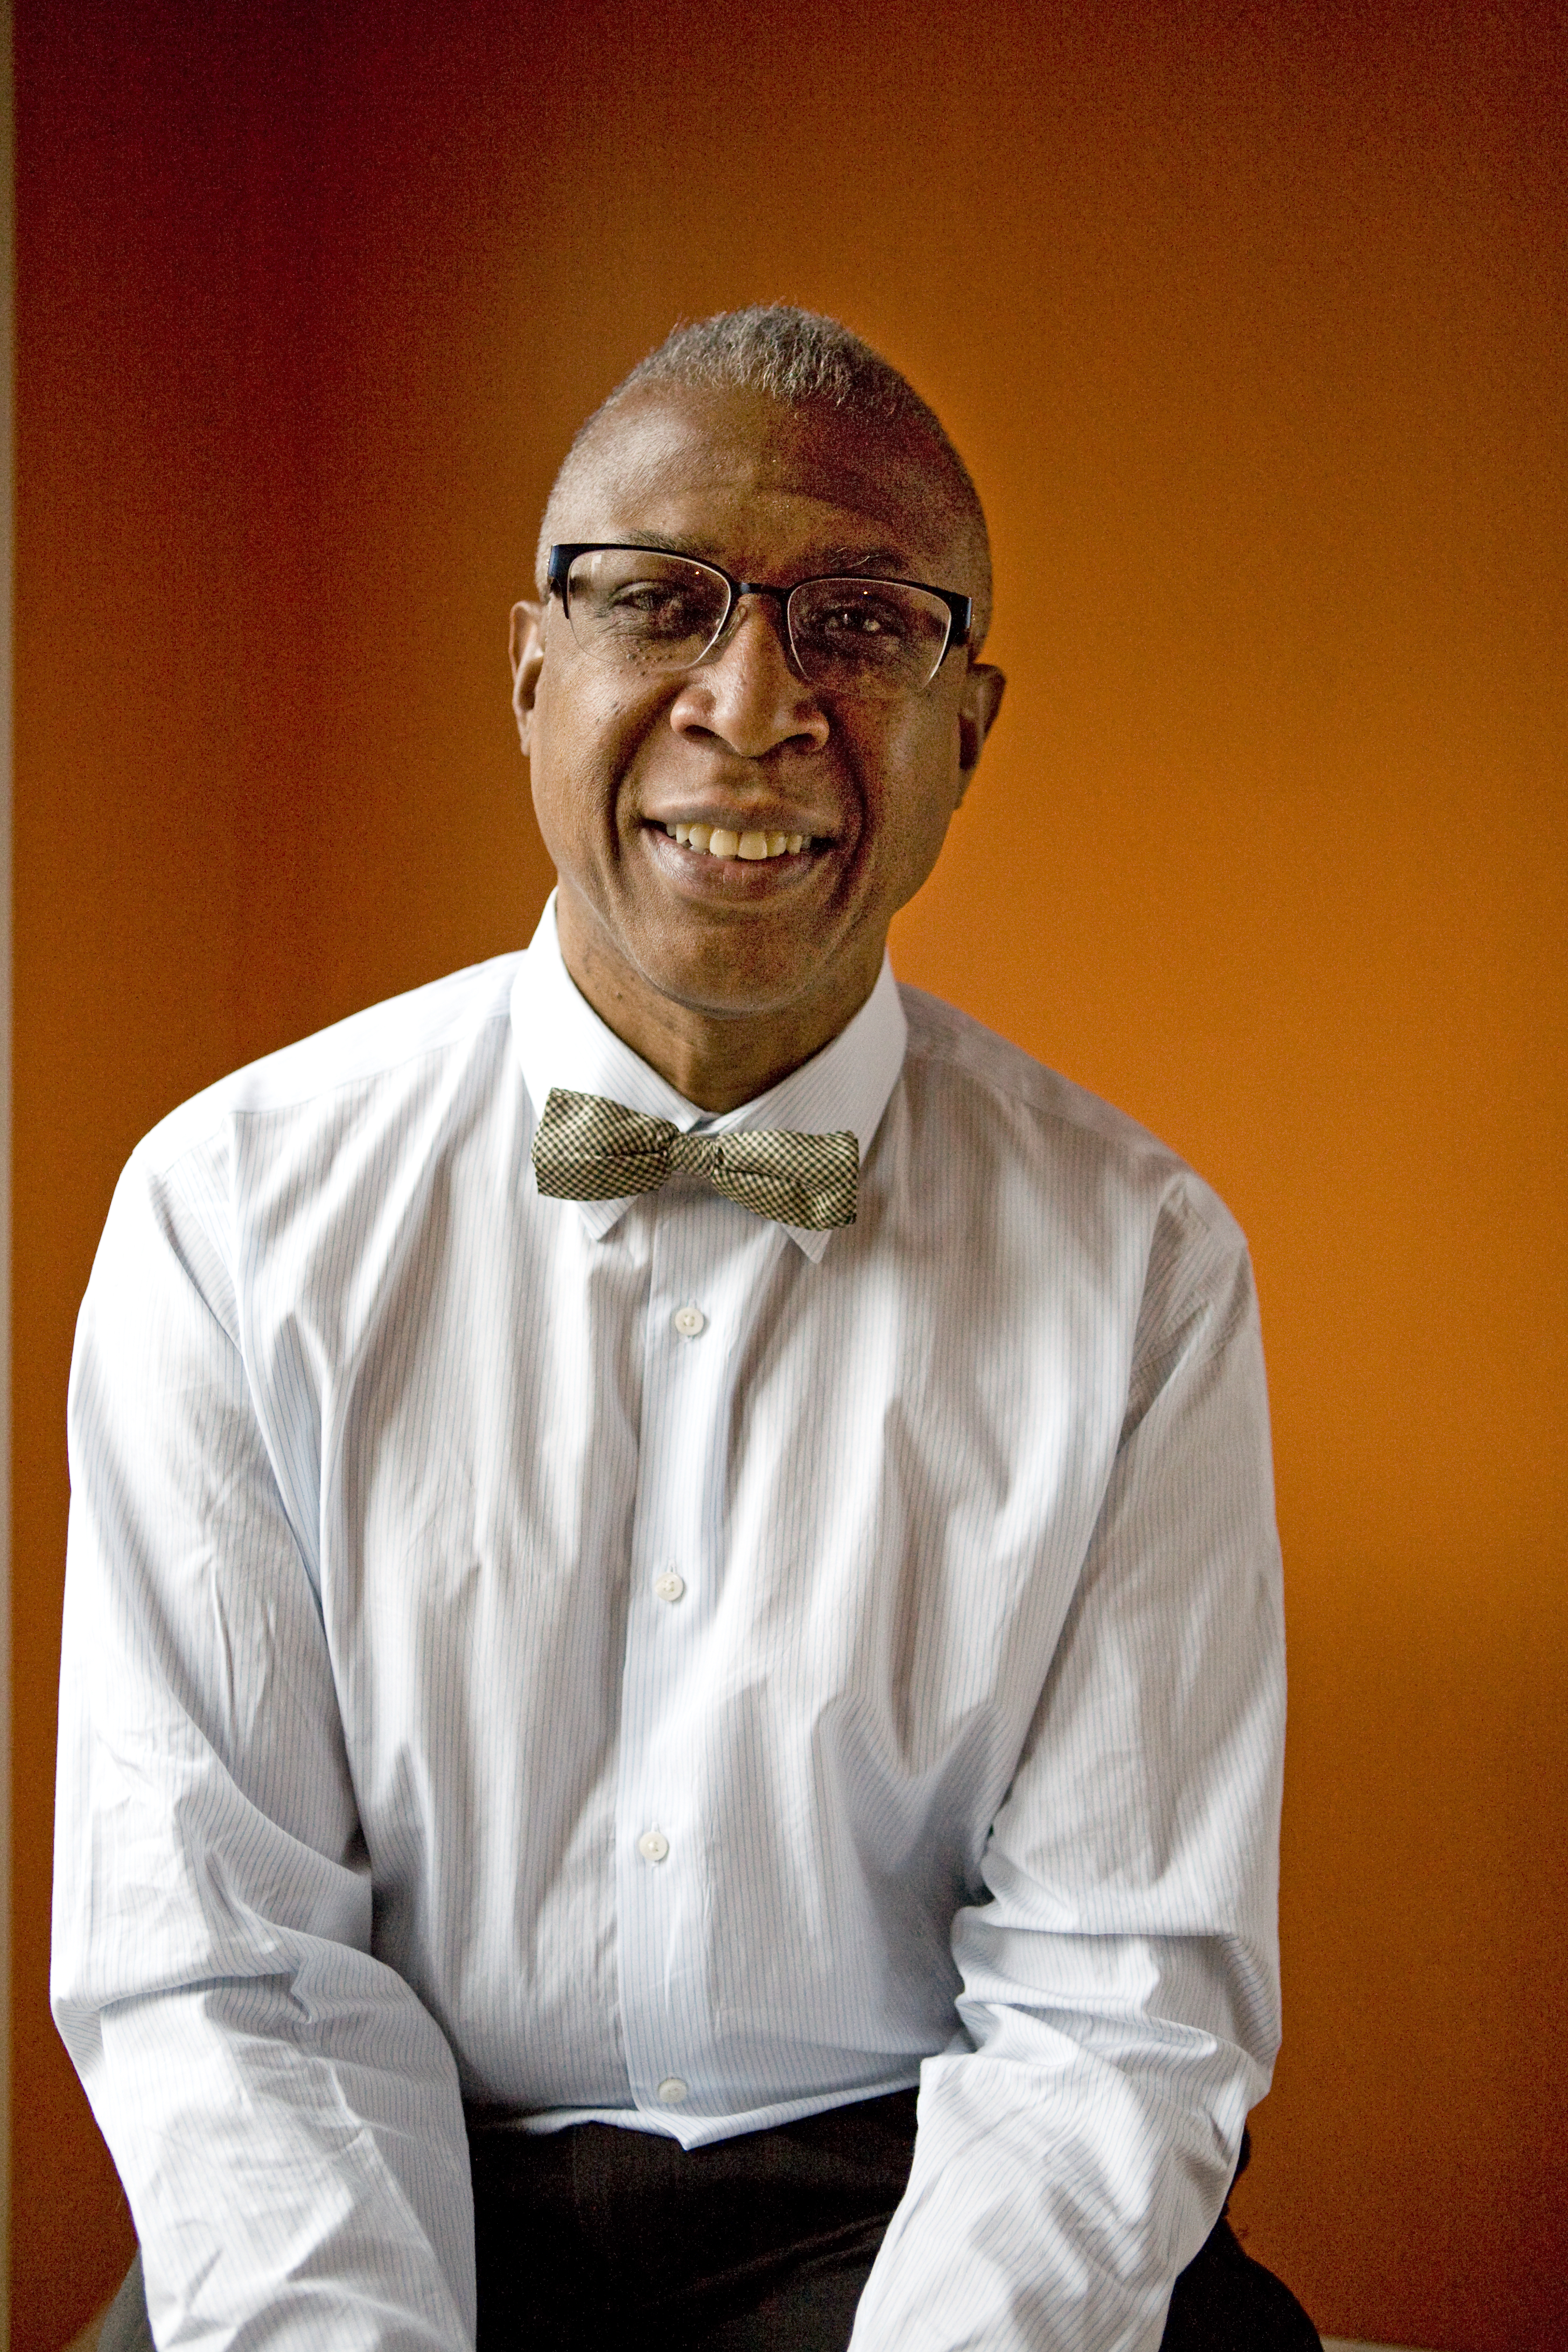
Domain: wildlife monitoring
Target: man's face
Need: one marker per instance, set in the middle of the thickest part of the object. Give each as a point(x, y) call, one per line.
point(740, 742)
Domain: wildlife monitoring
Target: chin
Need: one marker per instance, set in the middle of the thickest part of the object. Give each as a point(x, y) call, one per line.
point(719, 1000)
point(707, 982)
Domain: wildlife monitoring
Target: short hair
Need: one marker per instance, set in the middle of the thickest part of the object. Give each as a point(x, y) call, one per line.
point(802, 360)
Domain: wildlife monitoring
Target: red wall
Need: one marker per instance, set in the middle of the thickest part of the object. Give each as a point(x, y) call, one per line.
point(1247, 319)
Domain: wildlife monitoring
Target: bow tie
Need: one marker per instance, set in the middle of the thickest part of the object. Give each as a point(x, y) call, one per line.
point(586, 1149)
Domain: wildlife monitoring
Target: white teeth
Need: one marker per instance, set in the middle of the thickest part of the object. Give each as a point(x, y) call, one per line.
point(720, 841)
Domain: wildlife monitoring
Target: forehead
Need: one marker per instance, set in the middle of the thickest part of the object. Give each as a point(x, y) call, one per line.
point(759, 486)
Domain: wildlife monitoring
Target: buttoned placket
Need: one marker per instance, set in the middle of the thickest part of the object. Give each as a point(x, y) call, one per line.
point(707, 1264)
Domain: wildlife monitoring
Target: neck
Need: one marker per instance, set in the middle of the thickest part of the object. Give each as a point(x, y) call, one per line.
point(716, 1059)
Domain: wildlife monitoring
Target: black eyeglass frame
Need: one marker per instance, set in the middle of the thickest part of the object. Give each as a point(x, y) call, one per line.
point(960, 609)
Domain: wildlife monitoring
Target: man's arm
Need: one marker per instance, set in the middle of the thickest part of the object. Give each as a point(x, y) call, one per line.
point(1120, 2002)
point(284, 2113)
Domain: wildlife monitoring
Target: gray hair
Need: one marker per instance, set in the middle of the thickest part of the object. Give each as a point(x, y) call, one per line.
point(802, 360)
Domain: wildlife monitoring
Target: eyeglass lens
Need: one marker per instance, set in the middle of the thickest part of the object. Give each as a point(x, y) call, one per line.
point(658, 612)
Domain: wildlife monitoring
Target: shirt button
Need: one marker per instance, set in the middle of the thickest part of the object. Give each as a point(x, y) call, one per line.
point(688, 1321)
point(653, 1845)
point(672, 2090)
point(669, 1586)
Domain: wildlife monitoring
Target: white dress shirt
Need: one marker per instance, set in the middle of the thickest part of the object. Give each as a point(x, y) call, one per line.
point(630, 1659)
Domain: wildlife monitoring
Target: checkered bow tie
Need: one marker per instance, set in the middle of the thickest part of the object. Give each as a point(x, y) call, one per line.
point(586, 1149)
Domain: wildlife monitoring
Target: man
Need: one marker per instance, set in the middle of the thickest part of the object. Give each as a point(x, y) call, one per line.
point(671, 1544)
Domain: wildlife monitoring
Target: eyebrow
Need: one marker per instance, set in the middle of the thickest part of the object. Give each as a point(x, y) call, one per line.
point(841, 561)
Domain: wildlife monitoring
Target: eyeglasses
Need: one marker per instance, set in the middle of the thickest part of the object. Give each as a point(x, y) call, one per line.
point(649, 609)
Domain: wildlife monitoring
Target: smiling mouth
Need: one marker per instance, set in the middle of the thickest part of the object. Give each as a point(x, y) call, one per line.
point(719, 841)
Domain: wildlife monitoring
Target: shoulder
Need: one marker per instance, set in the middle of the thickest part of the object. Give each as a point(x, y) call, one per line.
point(391, 1051)
point(302, 1150)
point(987, 1107)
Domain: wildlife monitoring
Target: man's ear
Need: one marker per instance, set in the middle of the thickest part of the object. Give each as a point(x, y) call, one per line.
point(527, 648)
point(978, 704)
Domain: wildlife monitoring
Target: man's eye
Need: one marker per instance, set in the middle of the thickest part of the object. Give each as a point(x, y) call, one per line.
point(661, 610)
point(858, 621)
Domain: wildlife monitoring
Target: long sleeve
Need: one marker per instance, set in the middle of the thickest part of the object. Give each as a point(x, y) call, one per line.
point(284, 2113)
point(1119, 2001)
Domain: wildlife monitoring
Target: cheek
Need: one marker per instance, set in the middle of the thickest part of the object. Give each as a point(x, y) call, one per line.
point(919, 794)
point(570, 760)
point(588, 730)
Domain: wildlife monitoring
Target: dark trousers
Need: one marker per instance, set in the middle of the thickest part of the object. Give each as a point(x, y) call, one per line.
point(595, 2236)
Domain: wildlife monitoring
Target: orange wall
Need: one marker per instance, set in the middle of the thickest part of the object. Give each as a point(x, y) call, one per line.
point(1244, 316)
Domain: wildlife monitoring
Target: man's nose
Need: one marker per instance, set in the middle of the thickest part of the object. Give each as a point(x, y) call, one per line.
point(747, 693)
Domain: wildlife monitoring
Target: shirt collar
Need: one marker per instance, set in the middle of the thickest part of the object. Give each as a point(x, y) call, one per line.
point(562, 1042)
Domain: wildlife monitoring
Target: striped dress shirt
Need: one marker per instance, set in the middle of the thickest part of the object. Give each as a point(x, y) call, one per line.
point(631, 1660)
